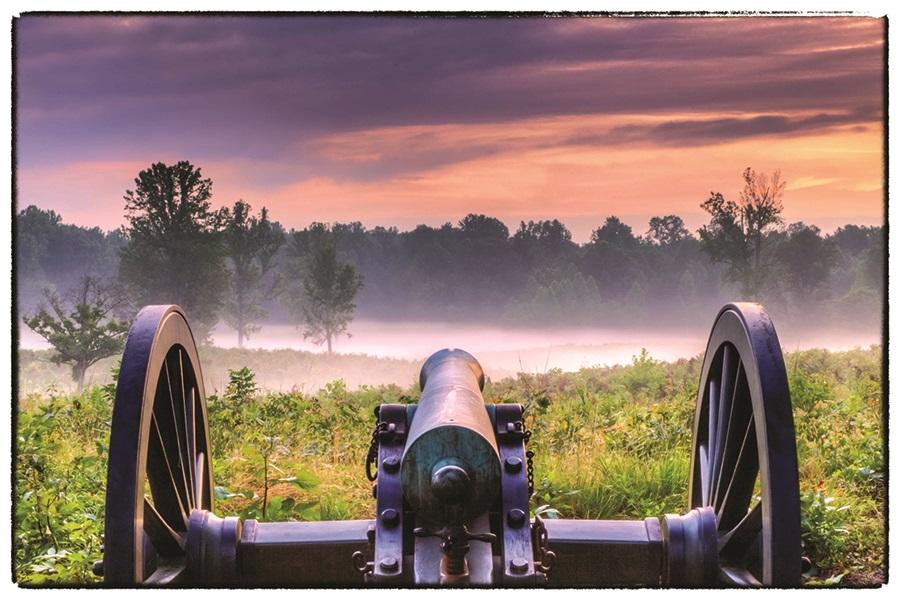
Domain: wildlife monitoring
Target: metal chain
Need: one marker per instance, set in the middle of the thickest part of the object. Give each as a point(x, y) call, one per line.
point(529, 461)
point(541, 542)
point(529, 456)
point(372, 457)
point(361, 564)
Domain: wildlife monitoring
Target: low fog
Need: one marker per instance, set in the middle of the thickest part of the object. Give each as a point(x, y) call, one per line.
point(508, 350)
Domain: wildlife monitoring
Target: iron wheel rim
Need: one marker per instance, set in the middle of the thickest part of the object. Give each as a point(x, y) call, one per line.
point(744, 401)
point(159, 461)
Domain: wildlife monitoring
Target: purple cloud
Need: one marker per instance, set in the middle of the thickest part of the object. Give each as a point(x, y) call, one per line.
point(88, 86)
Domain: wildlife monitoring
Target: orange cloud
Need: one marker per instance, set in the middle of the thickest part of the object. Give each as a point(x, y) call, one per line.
point(833, 177)
point(517, 171)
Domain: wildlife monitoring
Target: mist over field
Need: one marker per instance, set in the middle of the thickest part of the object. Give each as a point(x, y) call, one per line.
point(535, 349)
point(391, 352)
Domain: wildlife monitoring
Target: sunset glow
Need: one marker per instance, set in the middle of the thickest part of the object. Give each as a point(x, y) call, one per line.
point(401, 122)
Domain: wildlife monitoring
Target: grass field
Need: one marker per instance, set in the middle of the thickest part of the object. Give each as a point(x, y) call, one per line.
point(276, 370)
point(609, 443)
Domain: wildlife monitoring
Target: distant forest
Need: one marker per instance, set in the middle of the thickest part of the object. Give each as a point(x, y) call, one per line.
point(479, 270)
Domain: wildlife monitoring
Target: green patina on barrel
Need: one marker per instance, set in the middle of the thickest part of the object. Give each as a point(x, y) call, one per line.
point(451, 466)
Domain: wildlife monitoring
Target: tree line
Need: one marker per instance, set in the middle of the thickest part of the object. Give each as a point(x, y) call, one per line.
point(238, 266)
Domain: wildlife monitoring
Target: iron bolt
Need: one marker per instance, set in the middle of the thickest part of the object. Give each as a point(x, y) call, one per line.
point(391, 464)
point(513, 464)
point(97, 568)
point(390, 517)
point(516, 517)
point(389, 565)
point(514, 426)
point(518, 565)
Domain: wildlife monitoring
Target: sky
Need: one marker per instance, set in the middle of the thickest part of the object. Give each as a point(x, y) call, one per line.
point(402, 121)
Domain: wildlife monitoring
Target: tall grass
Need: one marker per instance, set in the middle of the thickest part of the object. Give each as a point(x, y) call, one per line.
point(609, 443)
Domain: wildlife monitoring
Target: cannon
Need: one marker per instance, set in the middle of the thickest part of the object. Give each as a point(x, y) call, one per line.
point(452, 486)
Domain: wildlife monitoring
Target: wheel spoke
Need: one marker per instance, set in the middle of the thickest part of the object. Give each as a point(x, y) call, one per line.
point(166, 540)
point(737, 495)
point(167, 574)
point(198, 484)
point(738, 576)
point(189, 448)
point(177, 434)
point(712, 413)
point(722, 413)
point(704, 475)
point(738, 540)
point(157, 453)
point(739, 409)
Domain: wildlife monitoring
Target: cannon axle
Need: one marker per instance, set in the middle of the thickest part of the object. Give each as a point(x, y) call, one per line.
point(230, 552)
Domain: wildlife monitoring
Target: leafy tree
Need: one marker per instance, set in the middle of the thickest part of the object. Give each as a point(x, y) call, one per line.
point(86, 332)
point(483, 241)
point(550, 233)
point(851, 240)
point(614, 232)
point(482, 227)
point(737, 230)
point(871, 273)
point(252, 244)
point(667, 230)
point(541, 244)
point(325, 300)
point(557, 295)
point(55, 255)
point(612, 258)
point(807, 259)
point(175, 252)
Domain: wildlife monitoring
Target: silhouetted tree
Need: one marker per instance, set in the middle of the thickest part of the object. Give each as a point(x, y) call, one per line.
point(252, 244)
point(542, 244)
point(483, 263)
point(612, 258)
point(806, 259)
point(56, 255)
point(736, 230)
point(474, 271)
point(871, 267)
point(86, 330)
point(853, 239)
point(615, 233)
point(324, 301)
point(667, 230)
point(175, 252)
point(482, 227)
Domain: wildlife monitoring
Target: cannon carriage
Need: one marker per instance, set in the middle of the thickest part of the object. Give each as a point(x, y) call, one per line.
point(452, 484)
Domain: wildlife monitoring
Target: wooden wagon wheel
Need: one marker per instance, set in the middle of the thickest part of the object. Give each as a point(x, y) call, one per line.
point(744, 436)
point(159, 459)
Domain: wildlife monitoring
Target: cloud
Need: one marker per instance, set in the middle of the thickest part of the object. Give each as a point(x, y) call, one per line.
point(398, 120)
point(253, 85)
point(694, 132)
point(387, 152)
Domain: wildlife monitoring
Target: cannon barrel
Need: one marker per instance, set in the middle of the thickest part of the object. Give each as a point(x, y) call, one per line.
point(450, 469)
